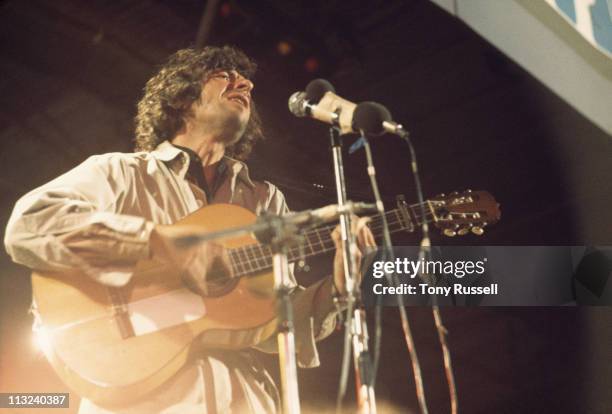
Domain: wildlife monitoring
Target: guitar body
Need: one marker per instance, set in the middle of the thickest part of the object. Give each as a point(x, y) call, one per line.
point(114, 345)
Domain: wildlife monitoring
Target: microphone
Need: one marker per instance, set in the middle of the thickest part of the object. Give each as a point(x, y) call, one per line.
point(374, 119)
point(313, 93)
point(329, 213)
point(320, 102)
point(266, 225)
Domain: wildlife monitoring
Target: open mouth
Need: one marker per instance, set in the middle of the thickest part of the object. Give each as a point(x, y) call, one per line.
point(241, 99)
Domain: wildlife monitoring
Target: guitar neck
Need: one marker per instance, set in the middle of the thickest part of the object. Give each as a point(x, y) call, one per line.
point(256, 258)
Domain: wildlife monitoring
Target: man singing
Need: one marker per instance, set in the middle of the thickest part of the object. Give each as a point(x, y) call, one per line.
point(196, 123)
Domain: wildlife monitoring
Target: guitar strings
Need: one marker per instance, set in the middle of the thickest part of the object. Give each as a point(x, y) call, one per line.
point(261, 255)
point(253, 253)
point(255, 250)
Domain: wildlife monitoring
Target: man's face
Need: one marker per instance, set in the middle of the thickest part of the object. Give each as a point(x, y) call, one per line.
point(225, 105)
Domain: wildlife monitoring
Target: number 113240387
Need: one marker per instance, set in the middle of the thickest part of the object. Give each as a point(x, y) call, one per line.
point(34, 400)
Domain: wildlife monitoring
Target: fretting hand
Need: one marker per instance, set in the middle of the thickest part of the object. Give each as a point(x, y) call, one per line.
point(364, 238)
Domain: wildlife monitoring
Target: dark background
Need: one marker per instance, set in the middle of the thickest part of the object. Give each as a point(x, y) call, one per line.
point(71, 73)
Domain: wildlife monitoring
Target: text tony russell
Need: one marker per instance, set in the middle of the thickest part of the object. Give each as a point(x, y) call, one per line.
point(425, 289)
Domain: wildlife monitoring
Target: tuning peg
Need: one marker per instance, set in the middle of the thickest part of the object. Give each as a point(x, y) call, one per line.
point(477, 230)
point(449, 232)
point(463, 231)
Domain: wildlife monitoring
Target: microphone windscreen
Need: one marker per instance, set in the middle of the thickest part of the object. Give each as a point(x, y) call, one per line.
point(369, 117)
point(296, 104)
point(316, 89)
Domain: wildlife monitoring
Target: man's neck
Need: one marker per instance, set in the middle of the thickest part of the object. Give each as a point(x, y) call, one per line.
point(207, 148)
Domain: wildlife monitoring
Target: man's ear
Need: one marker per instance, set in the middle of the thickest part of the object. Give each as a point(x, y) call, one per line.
point(186, 118)
point(183, 128)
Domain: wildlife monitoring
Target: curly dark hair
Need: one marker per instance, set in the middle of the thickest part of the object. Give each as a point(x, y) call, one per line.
point(169, 94)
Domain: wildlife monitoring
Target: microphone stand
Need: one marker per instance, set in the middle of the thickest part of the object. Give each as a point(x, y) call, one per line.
point(356, 319)
point(286, 330)
point(280, 235)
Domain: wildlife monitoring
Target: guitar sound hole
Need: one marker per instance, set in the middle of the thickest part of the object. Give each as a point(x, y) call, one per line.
point(219, 281)
point(219, 285)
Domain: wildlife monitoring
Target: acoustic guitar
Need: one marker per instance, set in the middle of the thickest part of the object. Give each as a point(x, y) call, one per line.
point(114, 345)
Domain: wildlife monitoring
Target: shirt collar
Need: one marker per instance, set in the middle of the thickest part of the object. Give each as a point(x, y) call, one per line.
point(168, 153)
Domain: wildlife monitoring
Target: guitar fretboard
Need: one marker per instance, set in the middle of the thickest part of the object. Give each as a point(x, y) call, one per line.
point(255, 258)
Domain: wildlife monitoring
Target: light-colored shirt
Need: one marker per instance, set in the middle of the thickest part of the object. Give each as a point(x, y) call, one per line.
point(97, 218)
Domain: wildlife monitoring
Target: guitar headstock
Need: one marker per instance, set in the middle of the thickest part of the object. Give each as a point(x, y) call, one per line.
point(458, 213)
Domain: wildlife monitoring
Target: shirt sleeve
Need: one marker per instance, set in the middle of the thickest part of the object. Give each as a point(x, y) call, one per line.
point(315, 319)
point(70, 224)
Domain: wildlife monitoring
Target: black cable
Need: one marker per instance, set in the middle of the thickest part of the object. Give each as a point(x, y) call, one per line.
point(424, 253)
point(392, 280)
point(346, 356)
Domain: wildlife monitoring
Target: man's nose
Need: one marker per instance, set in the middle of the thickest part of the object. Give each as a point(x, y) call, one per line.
point(243, 84)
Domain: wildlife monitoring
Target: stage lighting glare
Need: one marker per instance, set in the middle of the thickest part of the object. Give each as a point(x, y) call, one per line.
point(41, 340)
point(311, 65)
point(225, 10)
point(284, 48)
